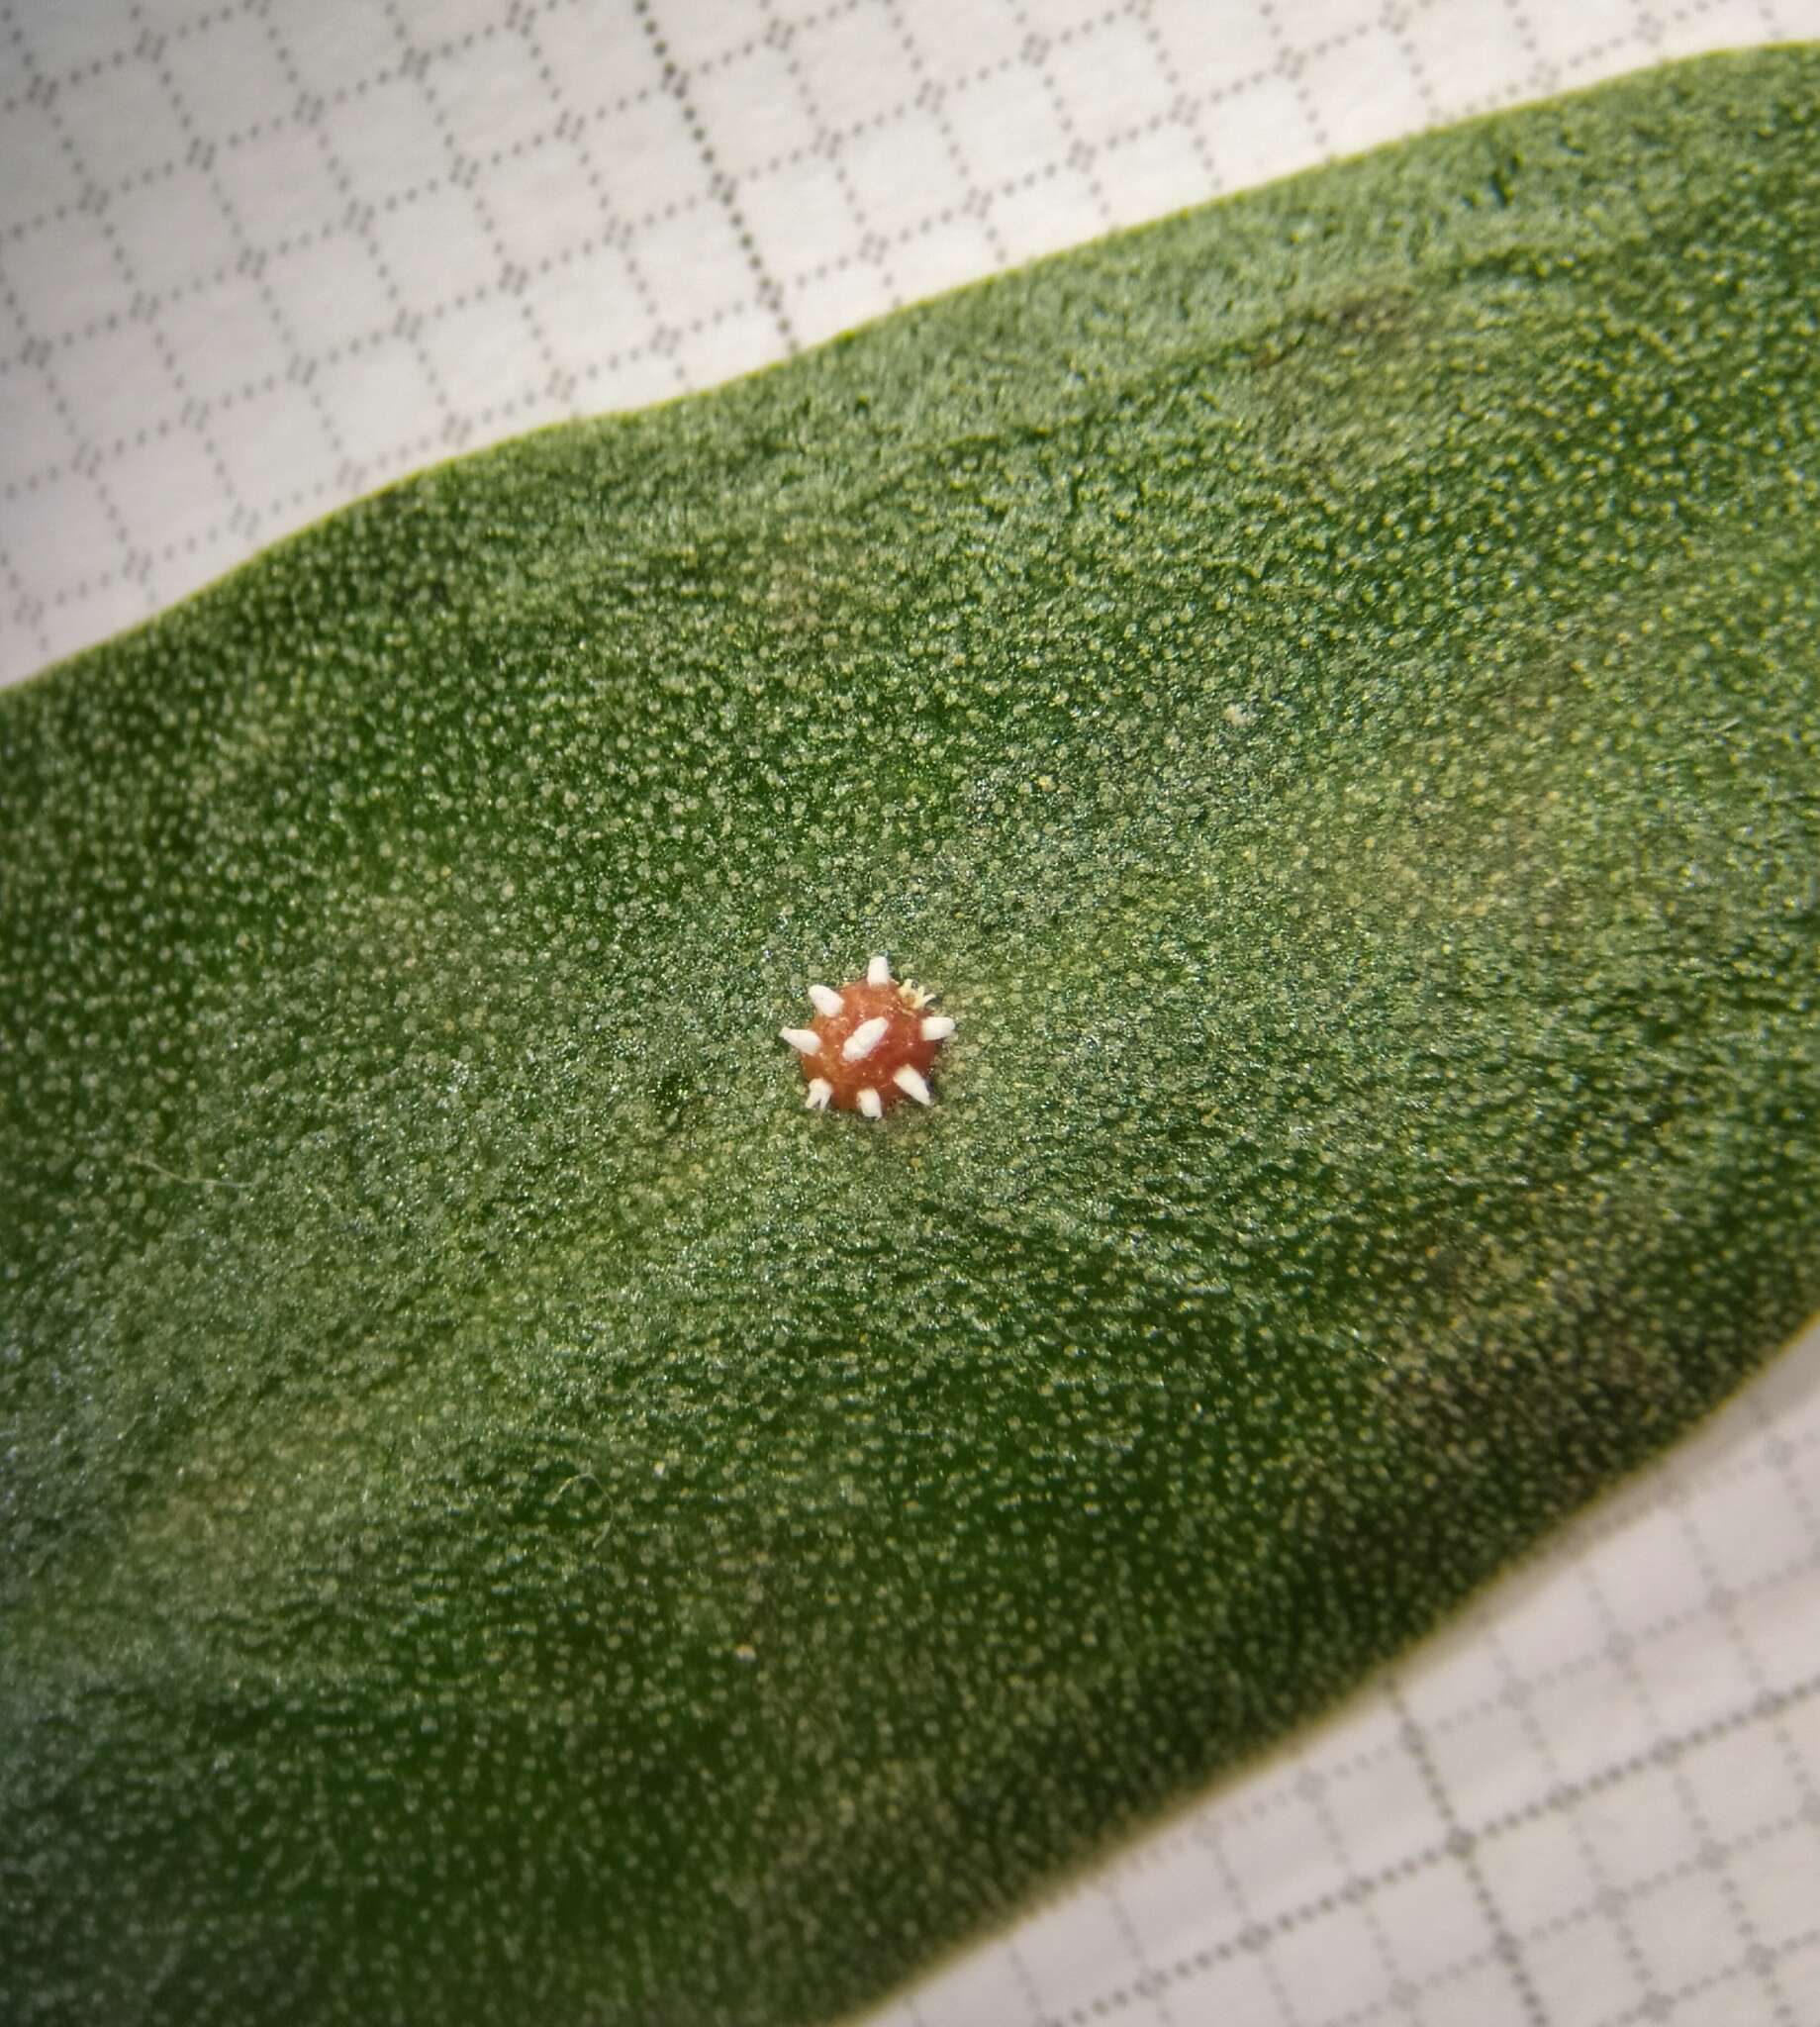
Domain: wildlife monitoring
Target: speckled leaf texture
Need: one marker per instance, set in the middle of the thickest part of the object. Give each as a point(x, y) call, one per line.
point(508, 1517)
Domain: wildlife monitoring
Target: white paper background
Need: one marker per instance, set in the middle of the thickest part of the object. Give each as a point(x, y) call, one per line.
point(258, 257)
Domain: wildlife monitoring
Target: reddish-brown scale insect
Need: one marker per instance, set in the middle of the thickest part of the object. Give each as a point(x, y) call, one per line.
point(871, 1043)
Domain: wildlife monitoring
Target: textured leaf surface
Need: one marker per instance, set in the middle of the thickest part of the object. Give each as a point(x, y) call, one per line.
point(509, 1517)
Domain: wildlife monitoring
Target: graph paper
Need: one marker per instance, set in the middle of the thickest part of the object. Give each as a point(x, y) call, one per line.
point(259, 258)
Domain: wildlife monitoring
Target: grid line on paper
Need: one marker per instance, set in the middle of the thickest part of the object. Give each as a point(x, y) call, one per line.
point(358, 221)
point(977, 202)
point(126, 51)
point(306, 111)
point(1796, 1571)
point(1289, 62)
point(1396, 26)
point(249, 261)
point(721, 186)
point(1312, 1785)
point(1459, 1845)
point(1712, 1852)
point(85, 459)
point(1663, 1752)
point(1077, 153)
point(874, 248)
point(1148, 1983)
point(457, 428)
point(1542, 72)
point(1668, 2003)
point(348, 224)
point(1255, 1935)
point(28, 611)
point(1606, 1902)
point(1181, 106)
point(1722, 1603)
point(1018, 1960)
point(613, 229)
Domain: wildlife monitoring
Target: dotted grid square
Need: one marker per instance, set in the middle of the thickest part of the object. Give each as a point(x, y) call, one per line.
point(260, 256)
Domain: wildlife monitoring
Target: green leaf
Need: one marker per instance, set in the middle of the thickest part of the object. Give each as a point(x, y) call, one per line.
point(507, 1515)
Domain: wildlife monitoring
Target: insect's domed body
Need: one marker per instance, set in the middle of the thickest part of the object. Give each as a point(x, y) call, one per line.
point(871, 1043)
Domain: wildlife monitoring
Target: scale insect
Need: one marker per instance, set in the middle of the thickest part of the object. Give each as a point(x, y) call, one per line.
point(870, 1044)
